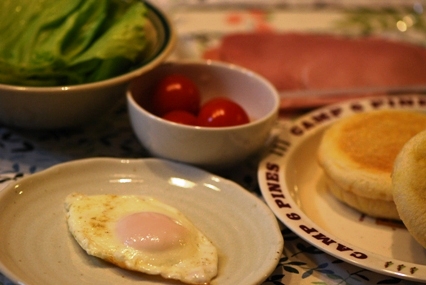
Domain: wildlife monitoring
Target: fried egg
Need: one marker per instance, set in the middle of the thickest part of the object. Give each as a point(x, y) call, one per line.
point(142, 234)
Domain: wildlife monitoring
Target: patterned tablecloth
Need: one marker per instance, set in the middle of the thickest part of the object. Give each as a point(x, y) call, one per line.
point(25, 152)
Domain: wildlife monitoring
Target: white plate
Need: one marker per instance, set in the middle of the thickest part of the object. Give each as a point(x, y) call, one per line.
point(292, 185)
point(202, 26)
point(36, 247)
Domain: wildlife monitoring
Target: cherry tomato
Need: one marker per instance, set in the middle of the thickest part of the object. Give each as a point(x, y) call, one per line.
point(176, 92)
point(181, 117)
point(221, 112)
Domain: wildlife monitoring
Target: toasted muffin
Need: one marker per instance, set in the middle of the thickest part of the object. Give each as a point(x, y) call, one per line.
point(357, 155)
point(409, 186)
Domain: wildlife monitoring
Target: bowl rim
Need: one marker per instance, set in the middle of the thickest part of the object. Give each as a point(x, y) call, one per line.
point(164, 50)
point(270, 114)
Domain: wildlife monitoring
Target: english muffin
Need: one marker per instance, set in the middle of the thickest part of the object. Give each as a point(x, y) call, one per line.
point(357, 155)
point(409, 186)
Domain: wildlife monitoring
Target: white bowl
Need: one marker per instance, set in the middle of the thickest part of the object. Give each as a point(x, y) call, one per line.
point(207, 147)
point(70, 106)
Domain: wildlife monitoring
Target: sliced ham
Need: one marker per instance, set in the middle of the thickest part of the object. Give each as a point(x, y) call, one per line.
point(298, 61)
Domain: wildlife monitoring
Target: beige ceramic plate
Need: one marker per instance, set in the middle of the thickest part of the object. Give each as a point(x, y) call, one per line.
point(36, 247)
point(293, 186)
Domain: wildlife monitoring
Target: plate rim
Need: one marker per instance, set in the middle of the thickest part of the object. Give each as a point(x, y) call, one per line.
point(292, 216)
point(275, 232)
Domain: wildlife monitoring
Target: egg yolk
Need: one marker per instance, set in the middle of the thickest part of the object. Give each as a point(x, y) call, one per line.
point(150, 231)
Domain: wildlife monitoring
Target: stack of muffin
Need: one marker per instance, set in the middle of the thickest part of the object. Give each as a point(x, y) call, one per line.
point(375, 162)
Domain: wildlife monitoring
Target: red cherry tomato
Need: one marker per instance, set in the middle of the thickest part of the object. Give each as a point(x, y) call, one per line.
point(221, 112)
point(181, 117)
point(176, 92)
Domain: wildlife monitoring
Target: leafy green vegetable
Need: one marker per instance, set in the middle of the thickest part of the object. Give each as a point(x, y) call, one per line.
point(66, 42)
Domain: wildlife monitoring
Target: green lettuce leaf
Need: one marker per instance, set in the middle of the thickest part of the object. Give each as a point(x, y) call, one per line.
point(63, 42)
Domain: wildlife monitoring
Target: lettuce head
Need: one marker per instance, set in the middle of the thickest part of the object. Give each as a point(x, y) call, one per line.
point(68, 42)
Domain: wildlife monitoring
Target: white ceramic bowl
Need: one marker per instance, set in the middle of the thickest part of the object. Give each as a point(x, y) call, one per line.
point(70, 106)
point(210, 148)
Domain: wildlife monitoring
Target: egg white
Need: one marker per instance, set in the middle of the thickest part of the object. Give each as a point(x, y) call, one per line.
point(92, 220)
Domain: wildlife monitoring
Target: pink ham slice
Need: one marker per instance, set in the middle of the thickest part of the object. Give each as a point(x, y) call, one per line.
point(296, 61)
